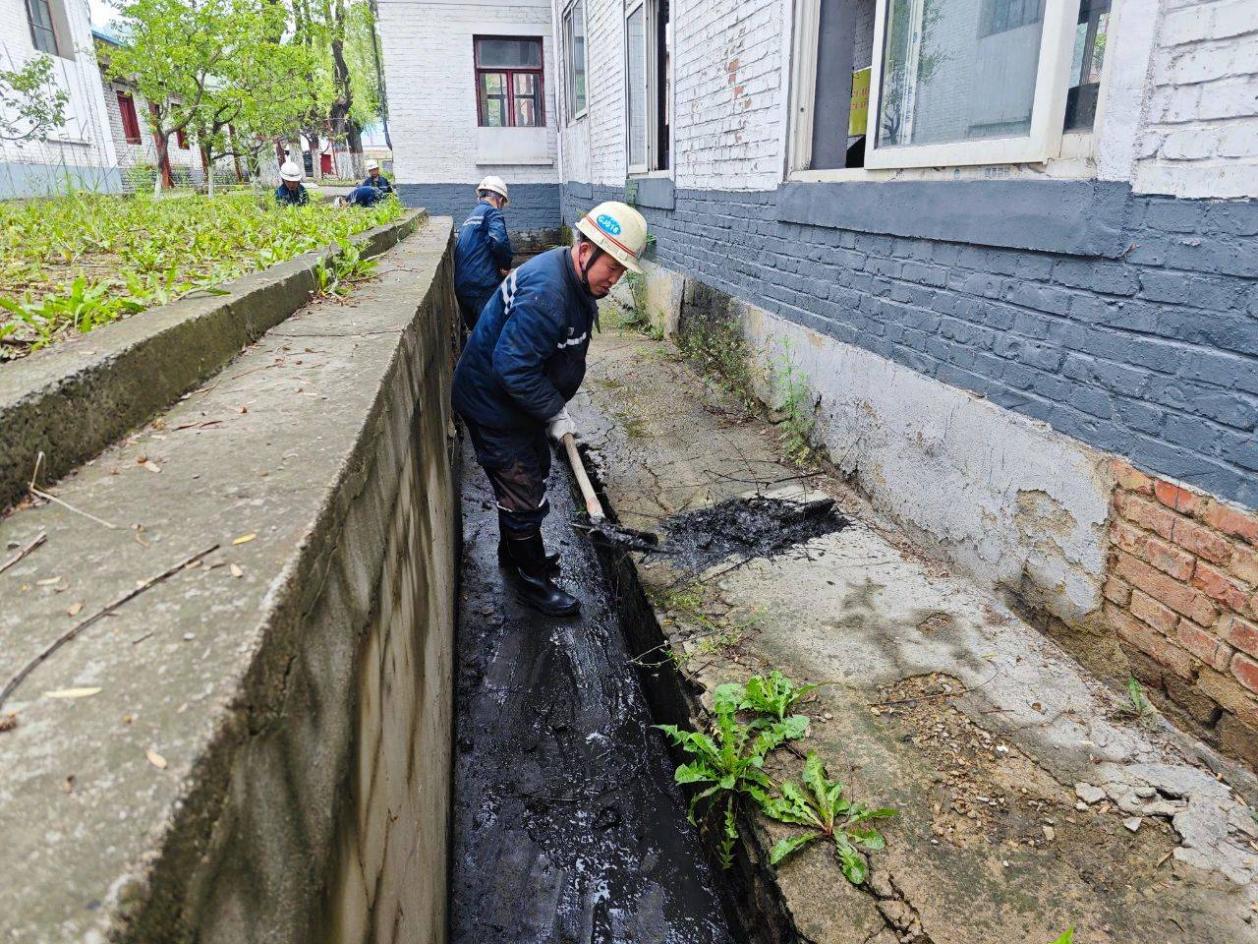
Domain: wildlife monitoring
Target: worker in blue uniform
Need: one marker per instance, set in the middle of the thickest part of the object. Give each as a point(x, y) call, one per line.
point(376, 179)
point(290, 192)
point(482, 252)
point(523, 362)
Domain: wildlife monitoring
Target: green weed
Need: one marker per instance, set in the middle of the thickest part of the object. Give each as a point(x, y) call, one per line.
point(720, 351)
point(1138, 705)
point(729, 762)
point(75, 262)
point(819, 806)
point(798, 405)
point(774, 696)
point(1067, 937)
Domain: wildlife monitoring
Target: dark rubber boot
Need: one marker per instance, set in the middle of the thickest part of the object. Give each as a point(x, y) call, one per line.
point(504, 558)
point(537, 590)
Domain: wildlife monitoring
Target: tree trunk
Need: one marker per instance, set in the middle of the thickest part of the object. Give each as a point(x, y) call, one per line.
point(165, 179)
point(208, 164)
point(240, 177)
point(355, 136)
point(316, 157)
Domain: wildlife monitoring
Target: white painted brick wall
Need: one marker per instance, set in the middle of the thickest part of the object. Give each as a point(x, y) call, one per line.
point(1185, 123)
point(85, 140)
point(729, 66)
point(1200, 131)
point(430, 76)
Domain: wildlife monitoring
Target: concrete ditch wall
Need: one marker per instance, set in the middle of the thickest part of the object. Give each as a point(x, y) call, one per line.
point(263, 750)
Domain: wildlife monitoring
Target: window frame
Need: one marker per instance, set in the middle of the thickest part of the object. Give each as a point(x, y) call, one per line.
point(569, 61)
point(126, 108)
point(52, 28)
point(1048, 109)
point(539, 73)
point(652, 54)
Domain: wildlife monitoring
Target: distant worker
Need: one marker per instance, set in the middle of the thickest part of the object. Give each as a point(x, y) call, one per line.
point(290, 192)
point(523, 362)
point(365, 196)
point(482, 253)
point(376, 179)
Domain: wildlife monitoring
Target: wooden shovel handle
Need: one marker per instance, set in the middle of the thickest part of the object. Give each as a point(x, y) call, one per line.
point(593, 506)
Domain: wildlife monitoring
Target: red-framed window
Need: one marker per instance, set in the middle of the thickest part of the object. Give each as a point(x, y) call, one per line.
point(181, 138)
point(130, 120)
point(510, 88)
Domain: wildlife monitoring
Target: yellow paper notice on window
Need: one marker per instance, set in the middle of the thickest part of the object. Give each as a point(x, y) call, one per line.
point(858, 110)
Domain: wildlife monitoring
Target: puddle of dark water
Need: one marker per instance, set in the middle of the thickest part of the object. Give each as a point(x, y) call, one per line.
point(567, 827)
point(747, 528)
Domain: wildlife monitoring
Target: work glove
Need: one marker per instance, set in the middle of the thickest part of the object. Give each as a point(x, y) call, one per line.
point(559, 424)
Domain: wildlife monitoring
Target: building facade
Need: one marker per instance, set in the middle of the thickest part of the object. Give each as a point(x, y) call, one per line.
point(134, 146)
point(80, 153)
point(471, 91)
point(1014, 255)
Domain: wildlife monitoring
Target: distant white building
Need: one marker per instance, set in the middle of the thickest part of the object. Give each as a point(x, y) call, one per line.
point(471, 91)
point(81, 152)
point(133, 141)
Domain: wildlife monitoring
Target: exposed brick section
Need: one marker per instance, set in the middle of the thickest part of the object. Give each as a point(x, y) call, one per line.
point(1182, 591)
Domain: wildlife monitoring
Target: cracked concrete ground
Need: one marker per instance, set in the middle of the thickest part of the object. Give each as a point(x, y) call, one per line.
point(1031, 799)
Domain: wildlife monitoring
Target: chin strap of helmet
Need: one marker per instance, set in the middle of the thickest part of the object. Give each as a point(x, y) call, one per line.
point(585, 269)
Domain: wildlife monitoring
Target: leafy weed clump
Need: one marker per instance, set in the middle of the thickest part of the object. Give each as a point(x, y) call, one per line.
point(820, 807)
point(727, 766)
point(729, 762)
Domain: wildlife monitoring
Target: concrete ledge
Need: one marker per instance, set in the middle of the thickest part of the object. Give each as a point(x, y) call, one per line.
point(267, 755)
point(73, 400)
point(657, 192)
point(1083, 218)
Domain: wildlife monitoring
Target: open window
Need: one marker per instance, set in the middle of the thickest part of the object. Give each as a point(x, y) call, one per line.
point(509, 82)
point(922, 83)
point(47, 21)
point(575, 61)
point(648, 93)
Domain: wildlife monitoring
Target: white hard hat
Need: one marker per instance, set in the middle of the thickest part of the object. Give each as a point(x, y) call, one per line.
point(493, 185)
point(290, 171)
point(373, 165)
point(619, 230)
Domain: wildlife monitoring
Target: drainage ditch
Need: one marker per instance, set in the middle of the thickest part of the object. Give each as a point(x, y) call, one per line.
point(567, 824)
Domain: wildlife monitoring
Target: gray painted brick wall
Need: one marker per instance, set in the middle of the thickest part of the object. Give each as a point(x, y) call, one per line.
point(533, 207)
point(1152, 356)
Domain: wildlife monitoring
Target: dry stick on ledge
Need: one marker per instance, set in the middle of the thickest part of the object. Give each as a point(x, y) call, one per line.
point(73, 631)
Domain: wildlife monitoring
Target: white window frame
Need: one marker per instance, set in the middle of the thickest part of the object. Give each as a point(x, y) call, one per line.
point(564, 20)
point(651, 167)
point(1048, 109)
point(632, 7)
point(807, 31)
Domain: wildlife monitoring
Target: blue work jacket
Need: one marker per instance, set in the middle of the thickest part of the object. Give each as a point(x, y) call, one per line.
point(297, 197)
point(525, 359)
point(380, 183)
point(365, 196)
point(482, 248)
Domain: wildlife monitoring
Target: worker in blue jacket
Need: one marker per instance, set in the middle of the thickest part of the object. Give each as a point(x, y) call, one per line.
point(482, 252)
point(290, 192)
point(523, 362)
point(375, 179)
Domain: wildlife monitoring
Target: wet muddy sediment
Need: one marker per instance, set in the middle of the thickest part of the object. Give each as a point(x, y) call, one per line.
point(567, 824)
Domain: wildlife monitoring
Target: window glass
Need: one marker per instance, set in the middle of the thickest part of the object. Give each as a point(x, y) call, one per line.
point(493, 99)
point(42, 34)
point(958, 71)
point(574, 31)
point(635, 44)
point(508, 53)
point(1091, 33)
point(527, 98)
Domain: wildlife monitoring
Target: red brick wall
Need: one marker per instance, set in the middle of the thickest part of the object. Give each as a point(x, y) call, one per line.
point(1182, 592)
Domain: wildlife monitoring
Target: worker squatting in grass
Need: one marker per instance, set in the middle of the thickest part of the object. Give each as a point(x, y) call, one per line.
point(524, 360)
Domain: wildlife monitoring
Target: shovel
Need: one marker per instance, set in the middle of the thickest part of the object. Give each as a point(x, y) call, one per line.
point(625, 537)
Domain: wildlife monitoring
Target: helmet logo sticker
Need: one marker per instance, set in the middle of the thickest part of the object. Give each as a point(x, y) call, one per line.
point(608, 224)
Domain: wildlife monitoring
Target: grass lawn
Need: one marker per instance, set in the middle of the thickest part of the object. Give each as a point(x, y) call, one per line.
point(76, 262)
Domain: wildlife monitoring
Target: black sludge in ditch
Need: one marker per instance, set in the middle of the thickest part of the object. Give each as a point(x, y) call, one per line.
point(568, 827)
point(746, 528)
